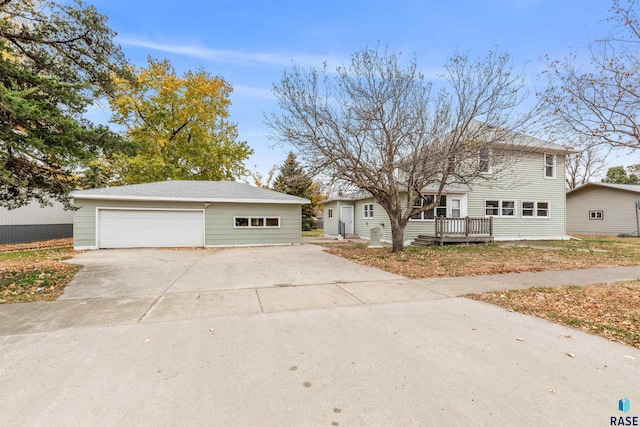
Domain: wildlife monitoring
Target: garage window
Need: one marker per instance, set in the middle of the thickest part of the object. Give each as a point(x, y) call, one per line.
point(256, 222)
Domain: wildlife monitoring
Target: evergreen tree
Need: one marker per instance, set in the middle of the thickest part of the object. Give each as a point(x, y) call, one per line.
point(293, 180)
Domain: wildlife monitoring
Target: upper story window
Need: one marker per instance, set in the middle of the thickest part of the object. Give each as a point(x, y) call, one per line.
point(368, 210)
point(330, 213)
point(441, 210)
point(549, 165)
point(484, 160)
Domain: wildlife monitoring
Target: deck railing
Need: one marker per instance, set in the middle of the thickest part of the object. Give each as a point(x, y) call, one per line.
point(466, 226)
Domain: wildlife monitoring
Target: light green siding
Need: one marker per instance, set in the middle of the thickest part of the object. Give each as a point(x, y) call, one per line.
point(618, 211)
point(523, 180)
point(219, 221)
point(332, 225)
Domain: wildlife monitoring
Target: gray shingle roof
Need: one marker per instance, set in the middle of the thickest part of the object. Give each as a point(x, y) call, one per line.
point(198, 191)
point(626, 187)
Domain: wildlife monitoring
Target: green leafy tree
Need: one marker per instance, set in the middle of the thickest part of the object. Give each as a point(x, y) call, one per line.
point(54, 59)
point(620, 175)
point(180, 126)
point(293, 180)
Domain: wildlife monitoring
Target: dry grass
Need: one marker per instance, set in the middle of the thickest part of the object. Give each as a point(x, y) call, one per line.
point(494, 258)
point(608, 310)
point(35, 271)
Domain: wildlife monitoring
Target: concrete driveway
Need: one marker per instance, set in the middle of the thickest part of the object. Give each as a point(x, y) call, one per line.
point(143, 272)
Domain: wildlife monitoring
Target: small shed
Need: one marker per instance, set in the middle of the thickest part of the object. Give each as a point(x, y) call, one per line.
point(601, 208)
point(185, 214)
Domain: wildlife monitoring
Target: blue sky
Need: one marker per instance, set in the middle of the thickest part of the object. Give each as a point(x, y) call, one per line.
point(249, 43)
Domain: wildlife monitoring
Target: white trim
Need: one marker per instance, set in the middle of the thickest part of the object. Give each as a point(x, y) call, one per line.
point(535, 209)
point(489, 170)
point(85, 248)
point(250, 217)
point(353, 220)
point(507, 238)
point(98, 209)
point(186, 199)
point(500, 207)
point(555, 165)
point(365, 211)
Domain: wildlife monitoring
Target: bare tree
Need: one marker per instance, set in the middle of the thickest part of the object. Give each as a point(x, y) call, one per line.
point(601, 103)
point(375, 125)
point(584, 165)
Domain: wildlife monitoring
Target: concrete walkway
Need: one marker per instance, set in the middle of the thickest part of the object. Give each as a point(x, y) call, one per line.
point(383, 353)
point(178, 306)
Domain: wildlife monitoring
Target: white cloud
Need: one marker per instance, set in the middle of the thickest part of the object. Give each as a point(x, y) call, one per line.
point(235, 57)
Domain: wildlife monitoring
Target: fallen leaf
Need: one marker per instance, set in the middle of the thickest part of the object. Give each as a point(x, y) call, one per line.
point(570, 355)
point(629, 357)
point(519, 339)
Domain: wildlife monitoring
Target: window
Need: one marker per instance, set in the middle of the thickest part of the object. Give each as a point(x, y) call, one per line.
point(330, 213)
point(256, 222)
point(368, 210)
point(500, 208)
point(441, 210)
point(535, 209)
point(595, 214)
point(549, 165)
point(484, 160)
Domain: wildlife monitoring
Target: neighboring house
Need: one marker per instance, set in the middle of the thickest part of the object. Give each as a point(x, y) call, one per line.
point(600, 208)
point(185, 214)
point(526, 201)
point(32, 223)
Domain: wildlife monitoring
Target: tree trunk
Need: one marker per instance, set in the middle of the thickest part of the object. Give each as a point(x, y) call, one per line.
point(397, 235)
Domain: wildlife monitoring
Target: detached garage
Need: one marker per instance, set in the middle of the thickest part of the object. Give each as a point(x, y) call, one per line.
point(185, 214)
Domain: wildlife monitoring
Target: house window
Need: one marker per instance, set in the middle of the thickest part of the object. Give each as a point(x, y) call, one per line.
point(441, 210)
point(368, 210)
point(484, 160)
point(535, 209)
point(595, 214)
point(256, 222)
point(330, 213)
point(549, 165)
point(500, 208)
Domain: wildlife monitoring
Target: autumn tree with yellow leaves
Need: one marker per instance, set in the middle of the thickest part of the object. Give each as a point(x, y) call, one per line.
point(180, 126)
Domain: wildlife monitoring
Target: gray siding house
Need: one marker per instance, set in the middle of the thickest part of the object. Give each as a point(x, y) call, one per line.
point(526, 200)
point(185, 214)
point(32, 223)
point(600, 208)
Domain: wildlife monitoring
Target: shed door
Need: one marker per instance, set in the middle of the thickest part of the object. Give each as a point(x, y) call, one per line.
point(120, 228)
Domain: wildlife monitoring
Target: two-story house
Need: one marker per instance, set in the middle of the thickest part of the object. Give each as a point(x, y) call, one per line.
point(525, 200)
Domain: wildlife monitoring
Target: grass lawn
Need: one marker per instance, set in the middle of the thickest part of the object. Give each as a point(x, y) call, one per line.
point(35, 272)
point(608, 310)
point(313, 233)
point(494, 258)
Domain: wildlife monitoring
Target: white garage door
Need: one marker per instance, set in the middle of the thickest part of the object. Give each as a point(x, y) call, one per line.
point(150, 229)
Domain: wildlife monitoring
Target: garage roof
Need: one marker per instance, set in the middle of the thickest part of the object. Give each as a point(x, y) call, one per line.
point(191, 191)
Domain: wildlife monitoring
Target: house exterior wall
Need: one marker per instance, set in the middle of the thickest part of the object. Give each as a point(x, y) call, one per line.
point(524, 180)
point(219, 221)
point(33, 222)
point(617, 206)
point(332, 225)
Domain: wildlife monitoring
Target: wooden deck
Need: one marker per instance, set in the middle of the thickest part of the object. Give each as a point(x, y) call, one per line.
point(458, 230)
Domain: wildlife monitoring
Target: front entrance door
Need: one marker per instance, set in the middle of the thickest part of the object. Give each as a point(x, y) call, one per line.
point(346, 216)
point(454, 210)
